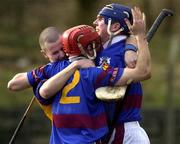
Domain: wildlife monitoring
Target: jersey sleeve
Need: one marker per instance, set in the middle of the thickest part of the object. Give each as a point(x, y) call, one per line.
point(42, 100)
point(38, 74)
point(45, 72)
point(107, 77)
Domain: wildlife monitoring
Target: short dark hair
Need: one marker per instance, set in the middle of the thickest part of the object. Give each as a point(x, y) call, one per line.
point(48, 35)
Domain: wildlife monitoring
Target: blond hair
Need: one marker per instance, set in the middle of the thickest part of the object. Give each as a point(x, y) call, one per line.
point(48, 35)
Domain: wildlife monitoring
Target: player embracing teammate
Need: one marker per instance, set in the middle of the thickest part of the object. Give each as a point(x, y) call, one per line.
point(123, 116)
point(77, 115)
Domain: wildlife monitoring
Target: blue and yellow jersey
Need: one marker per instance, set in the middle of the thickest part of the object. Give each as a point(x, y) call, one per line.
point(43, 73)
point(78, 116)
point(131, 109)
point(113, 55)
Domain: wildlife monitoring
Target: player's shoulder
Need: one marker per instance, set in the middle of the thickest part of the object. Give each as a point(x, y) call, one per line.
point(90, 70)
point(54, 66)
point(95, 70)
point(58, 63)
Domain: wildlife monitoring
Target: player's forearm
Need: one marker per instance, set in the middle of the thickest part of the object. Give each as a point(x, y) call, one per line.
point(143, 67)
point(56, 83)
point(18, 82)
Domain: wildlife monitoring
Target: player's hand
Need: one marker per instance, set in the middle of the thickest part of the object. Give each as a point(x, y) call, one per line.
point(84, 63)
point(139, 22)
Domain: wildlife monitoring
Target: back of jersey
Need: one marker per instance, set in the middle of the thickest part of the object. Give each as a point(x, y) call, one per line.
point(78, 116)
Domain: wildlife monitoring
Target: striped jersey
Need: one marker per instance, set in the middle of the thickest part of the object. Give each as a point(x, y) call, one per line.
point(78, 117)
point(113, 55)
point(39, 74)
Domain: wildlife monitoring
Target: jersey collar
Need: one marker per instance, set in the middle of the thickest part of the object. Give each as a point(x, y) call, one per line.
point(115, 40)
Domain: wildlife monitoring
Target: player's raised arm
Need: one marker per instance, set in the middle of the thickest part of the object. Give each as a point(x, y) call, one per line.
point(142, 71)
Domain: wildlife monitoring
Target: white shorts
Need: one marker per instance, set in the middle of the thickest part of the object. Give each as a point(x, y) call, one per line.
point(129, 133)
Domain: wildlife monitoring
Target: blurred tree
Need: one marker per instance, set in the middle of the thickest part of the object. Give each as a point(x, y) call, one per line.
point(146, 5)
point(12, 22)
point(171, 24)
point(85, 10)
point(19, 11)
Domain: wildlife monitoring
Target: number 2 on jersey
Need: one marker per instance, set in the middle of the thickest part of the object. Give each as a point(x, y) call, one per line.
point(70, 99)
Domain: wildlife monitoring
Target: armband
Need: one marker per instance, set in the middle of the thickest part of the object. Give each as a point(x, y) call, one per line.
point(130, 47)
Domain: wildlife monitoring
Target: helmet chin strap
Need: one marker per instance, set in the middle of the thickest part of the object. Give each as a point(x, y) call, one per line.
point(112, 34)
point(94, 51)
point(86, 54)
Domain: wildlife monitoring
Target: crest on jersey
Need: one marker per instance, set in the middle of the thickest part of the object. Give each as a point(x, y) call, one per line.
point(104, 62)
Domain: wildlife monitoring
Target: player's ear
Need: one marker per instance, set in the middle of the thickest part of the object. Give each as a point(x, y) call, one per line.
point(44, 53)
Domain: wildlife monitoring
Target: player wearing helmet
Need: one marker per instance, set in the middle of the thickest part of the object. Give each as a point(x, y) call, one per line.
point(78, 117)
point(87, 38)
point(115, 14)
point(42, 70)
point(111, 26)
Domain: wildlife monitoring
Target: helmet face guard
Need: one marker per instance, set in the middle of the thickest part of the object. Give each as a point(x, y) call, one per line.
point(81, 40)
point(117, 13)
